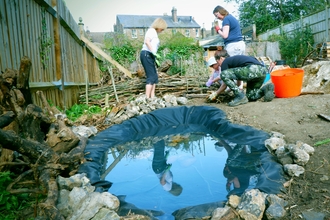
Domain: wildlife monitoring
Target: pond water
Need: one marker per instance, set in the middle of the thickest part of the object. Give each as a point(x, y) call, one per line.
point(195, 165)
point(175, 158)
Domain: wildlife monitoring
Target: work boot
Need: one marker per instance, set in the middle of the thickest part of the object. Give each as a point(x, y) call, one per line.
point(268, 91)
point(239, 99)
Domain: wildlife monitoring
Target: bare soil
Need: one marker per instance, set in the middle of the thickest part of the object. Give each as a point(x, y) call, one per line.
point(298, 119)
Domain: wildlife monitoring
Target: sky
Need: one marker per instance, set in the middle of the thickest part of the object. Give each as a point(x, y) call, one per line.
point(100, 15)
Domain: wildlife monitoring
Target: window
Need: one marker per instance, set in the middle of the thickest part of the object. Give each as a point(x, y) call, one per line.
point(174, 31)
point(141, 32)
point(187, 33)
point(134, 33)
point(197, 33)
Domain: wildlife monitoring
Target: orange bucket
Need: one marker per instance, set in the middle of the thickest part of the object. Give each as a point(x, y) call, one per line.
point(287, 82)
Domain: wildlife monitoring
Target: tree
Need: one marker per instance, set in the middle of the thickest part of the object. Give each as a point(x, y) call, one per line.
point(267, 14)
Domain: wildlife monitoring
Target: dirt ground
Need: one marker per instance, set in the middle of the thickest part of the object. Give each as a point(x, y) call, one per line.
point(297, 118)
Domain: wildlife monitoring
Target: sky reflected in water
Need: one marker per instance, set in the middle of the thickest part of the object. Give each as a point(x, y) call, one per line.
point(196, 162)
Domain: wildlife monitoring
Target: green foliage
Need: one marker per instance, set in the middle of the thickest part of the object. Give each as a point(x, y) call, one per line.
point(326, 141)
point(274, 38)
point(180, 46)
point(295, 47)
point(121, 48)
point(78, 110)
point(46, 41)
point(123, 53)
point(177, 48)
point(10, 204)
point(103, 66)
point(268, 14)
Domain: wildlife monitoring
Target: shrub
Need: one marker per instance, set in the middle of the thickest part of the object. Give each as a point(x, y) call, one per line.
point(295, 47)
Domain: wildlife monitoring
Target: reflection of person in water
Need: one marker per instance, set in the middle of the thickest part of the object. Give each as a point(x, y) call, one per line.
point(240, 166)
point(162, 169)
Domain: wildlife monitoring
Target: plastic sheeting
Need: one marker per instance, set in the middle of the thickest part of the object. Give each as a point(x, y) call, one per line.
point(179, 120)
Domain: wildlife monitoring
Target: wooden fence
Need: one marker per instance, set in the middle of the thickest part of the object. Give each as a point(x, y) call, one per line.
point(45, 32)
point(318, 22)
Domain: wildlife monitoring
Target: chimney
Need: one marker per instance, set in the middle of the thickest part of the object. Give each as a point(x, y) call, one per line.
point(174, 15)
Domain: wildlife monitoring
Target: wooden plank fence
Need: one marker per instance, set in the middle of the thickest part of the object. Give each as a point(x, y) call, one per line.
point(45, 31)
point(318, 22)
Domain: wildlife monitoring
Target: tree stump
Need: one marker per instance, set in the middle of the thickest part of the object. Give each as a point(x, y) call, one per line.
point(48, 147)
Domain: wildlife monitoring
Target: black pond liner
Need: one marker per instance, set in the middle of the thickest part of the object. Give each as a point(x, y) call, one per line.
point(179, 120)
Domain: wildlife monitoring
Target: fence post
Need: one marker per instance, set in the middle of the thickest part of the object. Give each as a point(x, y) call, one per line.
point(254, 32)
point(58, 55)
point(326, 22)
point(82, 33)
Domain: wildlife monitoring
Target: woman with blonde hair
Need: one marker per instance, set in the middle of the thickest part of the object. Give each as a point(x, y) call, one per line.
point(148, 55)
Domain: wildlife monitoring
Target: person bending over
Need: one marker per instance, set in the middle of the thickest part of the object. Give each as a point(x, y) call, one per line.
point(249, 70)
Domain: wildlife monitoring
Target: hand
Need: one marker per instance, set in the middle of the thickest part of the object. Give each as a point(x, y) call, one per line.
point(157, 56)
point(168, 166)
point(157, 63)
point(213, 96)
point(217, 29)
point(209, 83)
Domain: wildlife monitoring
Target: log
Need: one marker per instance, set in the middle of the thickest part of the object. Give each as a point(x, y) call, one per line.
point(6, 119)
point(196, 95)
point(165, 66)
point(106, 56)
point(34, 119)
point(18, 119)
point(312, 93)
point(48, 207)
point(23, 79)
point(51, 111)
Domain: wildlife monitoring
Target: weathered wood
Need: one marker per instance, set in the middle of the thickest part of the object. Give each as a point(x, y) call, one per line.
point(106, 56)
point(196, 95)
point(57, 42)
point(113, 83)
point(32, 123)
point(7, 118)
point(48, 207)
point(61, 138)
point(165, 66)
point(175, 84)
point(32, 149)
point(52, 111)
point(33, 120)
point(312, 93)
point(23, 79)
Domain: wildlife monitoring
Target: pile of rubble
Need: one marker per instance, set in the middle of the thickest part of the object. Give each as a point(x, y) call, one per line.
point(142, 105)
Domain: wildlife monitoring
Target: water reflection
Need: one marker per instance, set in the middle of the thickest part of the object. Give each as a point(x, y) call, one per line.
point(241, 169)
point(163, 169)
point(166, 174)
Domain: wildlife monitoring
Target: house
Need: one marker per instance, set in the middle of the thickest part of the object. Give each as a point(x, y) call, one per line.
point(135, 26)
point(211, 44)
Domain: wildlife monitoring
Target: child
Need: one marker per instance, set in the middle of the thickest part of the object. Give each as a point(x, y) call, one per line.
point(215, 77)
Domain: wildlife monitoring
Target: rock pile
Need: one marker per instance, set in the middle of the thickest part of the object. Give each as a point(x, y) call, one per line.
point(142, 105)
